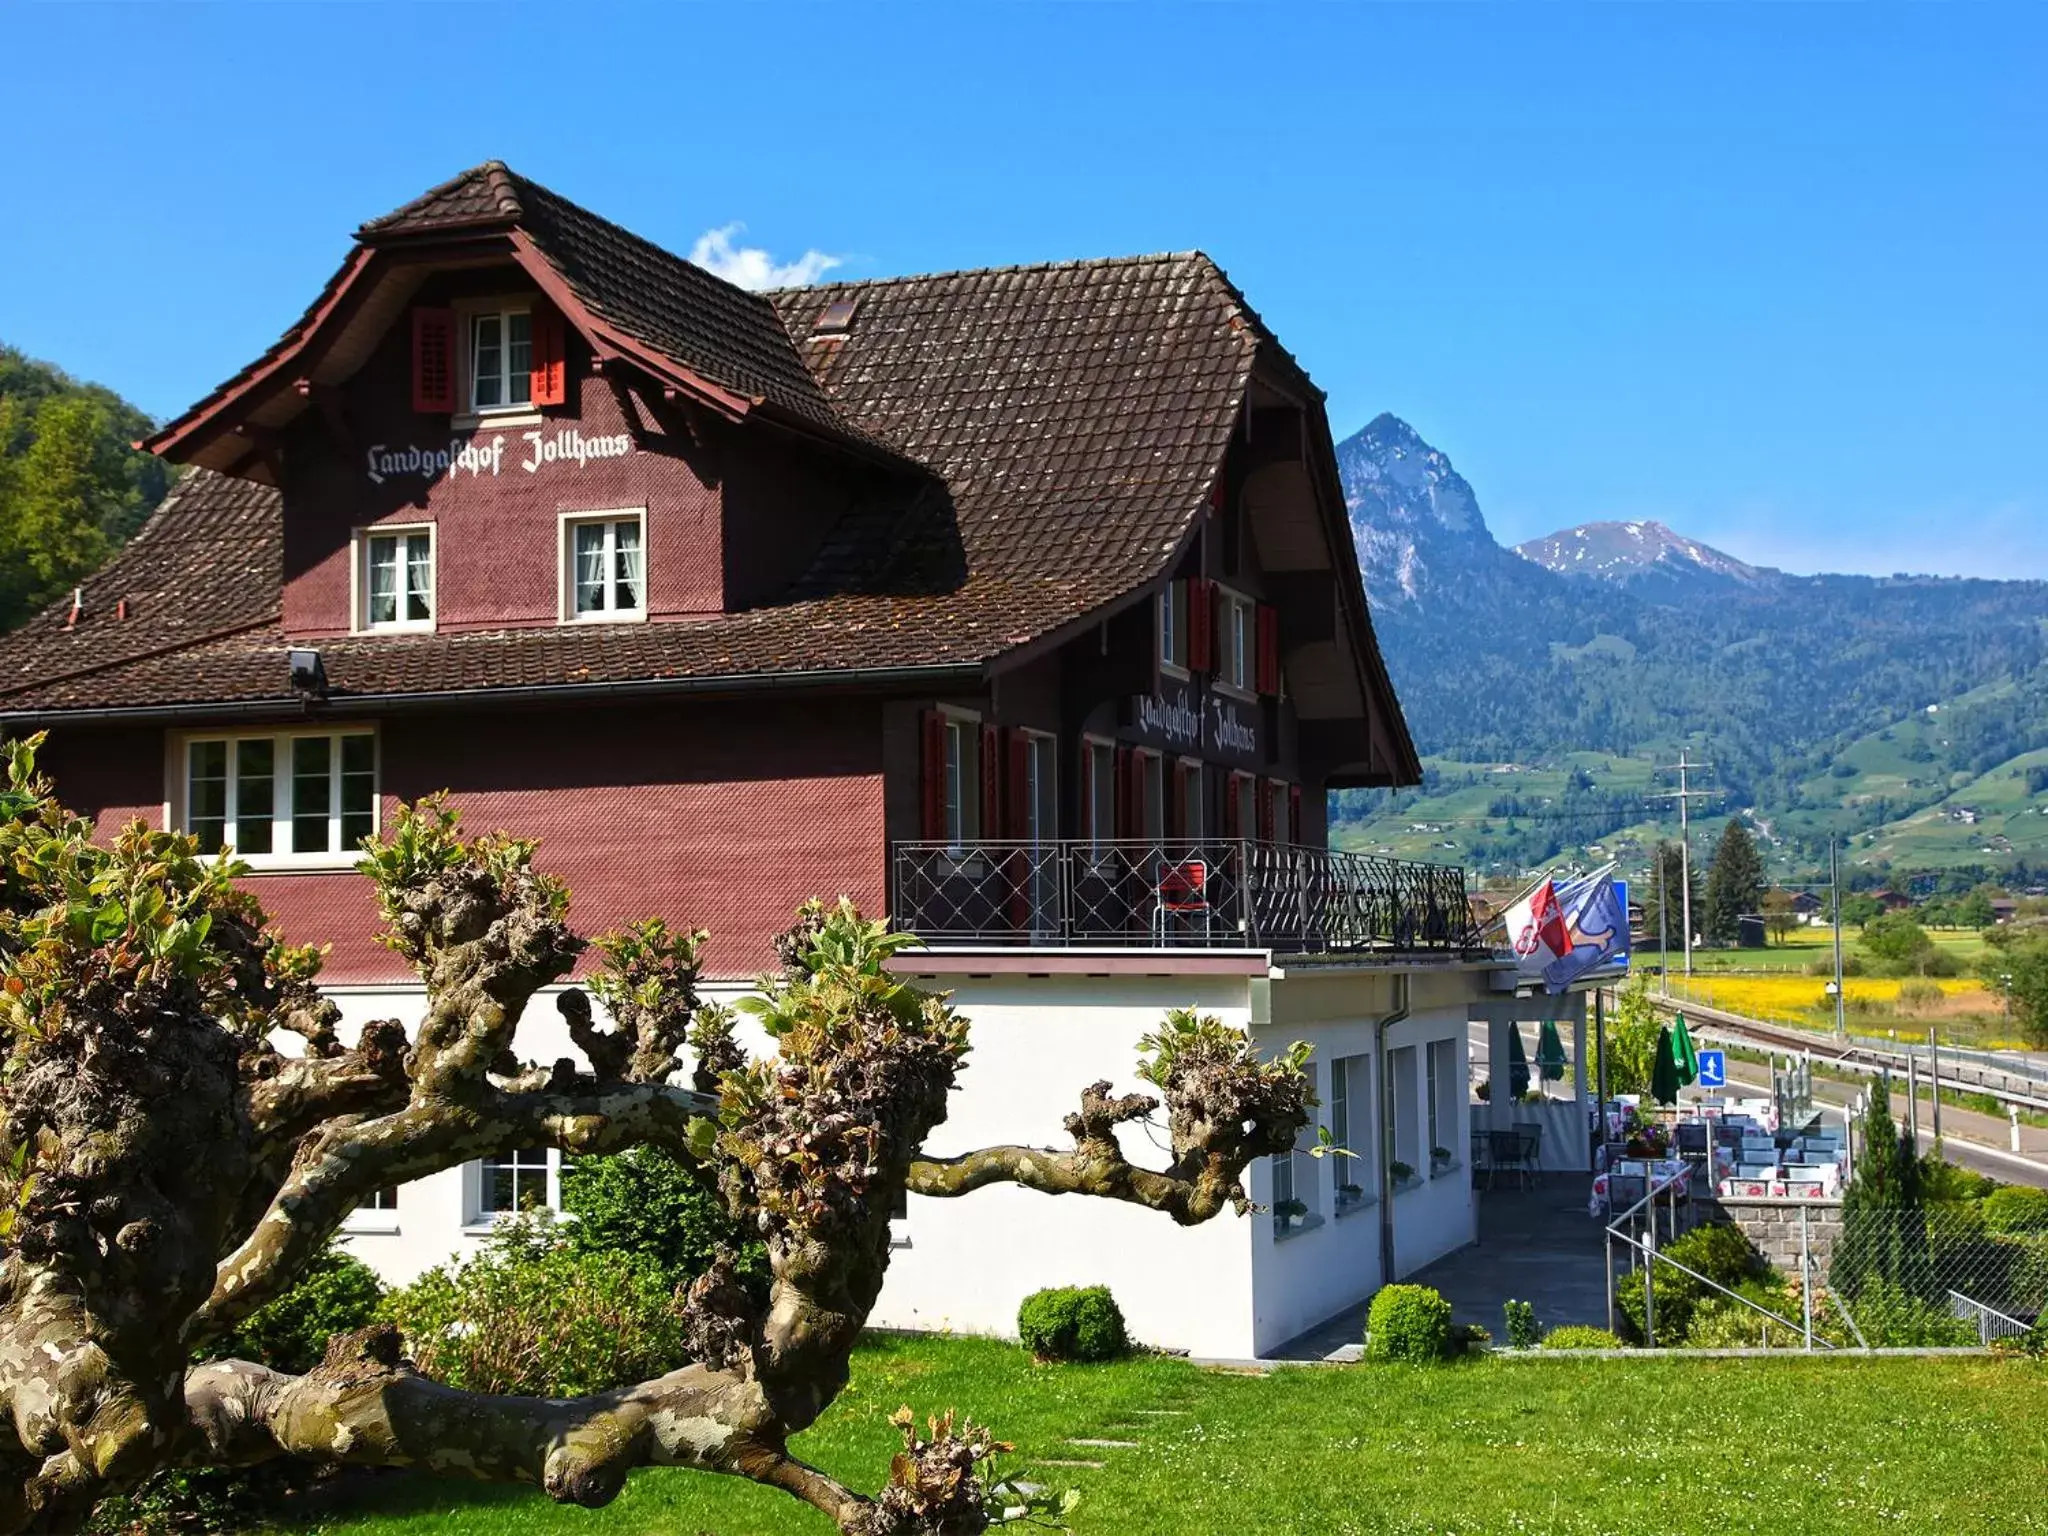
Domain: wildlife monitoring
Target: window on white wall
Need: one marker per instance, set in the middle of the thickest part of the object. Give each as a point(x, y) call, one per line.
point(1408, 1146)
point(1351, 1128)
point(1445, 1087)
point(1294, 1180)
point(276, 798)
point(522, 1180)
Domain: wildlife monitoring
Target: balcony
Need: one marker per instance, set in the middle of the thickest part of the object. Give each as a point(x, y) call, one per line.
point(1217, 893)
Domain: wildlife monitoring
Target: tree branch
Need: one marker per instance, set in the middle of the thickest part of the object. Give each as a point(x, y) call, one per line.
point(342, 1163)
point(364, 1405)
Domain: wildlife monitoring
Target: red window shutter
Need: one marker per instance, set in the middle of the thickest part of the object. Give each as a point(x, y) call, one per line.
point(1294, 814)
point(1201, 626)
point(1233, 820)
point(1263, 799)
point(991, 782)
point(932, 788)
point(1269, 649)
point(1019, 769)
point(433, 360)
point(549, 382)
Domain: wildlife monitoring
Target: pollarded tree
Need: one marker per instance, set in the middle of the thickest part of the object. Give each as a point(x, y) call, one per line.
point(167, 1171)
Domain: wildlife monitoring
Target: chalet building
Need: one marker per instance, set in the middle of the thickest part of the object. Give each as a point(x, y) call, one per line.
point(1020, 604)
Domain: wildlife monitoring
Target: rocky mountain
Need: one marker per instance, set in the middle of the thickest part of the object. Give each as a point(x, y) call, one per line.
point(1640, 551)
point(1654, 642)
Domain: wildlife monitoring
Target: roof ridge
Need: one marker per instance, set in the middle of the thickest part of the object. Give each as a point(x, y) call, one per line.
point(1069, 264)
point(500, 182)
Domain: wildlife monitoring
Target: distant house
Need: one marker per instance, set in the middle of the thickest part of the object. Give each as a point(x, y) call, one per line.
point(1894, 901)
point(2003, 909)
point(1806, 906)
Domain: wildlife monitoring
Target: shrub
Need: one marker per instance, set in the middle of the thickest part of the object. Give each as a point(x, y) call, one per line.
point(1891, 1317)
point(1408, 1322)
point(1579, 1336)
point(1719, 1253)
point(1521, 1321)
point(337, 1293)
point(1076, 1322)
point(533, 1314)
point(2016, 1208)
point(646, 1204)
point(1917, 993)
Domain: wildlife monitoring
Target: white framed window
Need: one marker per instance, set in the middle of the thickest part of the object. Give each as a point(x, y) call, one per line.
point(1246, 788)
point(1190, 771)
point(1445, 1088)
point(1283, 826)
point(604, 566)
point(1172, 604)
point(1098, 810)
point(395, 582)
point(1236, 641)
point(1409, 1150)
point(1351, 1123)
point(500, 360)
point(1294, 1182)
point(278, 798)
point(958, 748)
point(1041, 787)
point(527, 1179)
point(1151, 771)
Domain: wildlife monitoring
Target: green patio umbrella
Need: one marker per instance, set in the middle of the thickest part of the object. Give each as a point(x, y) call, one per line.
point(1518, 1064)
point(1664, 1083)
point(1549, 1052)
point(1683, 1056)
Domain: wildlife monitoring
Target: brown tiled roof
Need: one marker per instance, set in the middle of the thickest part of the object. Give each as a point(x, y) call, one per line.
point(1072, 417)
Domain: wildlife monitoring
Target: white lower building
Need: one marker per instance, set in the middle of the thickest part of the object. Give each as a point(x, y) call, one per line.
point(1390, 1070)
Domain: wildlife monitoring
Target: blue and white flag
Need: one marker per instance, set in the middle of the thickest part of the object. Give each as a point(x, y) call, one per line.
point(1595, 915)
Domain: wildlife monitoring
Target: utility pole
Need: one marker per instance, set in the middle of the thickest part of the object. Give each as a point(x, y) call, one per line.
point(1685, 795)
point(1835, 895)
point(1663, 918)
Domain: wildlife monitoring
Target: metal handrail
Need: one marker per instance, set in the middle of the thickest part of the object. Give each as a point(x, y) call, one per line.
point(1171, 892)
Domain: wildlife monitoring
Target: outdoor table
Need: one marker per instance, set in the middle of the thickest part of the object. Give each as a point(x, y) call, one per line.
point(1664, 1173)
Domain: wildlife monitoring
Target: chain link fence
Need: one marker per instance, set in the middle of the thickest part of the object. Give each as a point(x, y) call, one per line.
point(1833, 1275)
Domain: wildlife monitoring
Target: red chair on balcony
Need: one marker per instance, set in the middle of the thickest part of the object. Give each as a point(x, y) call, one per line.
point(1181, 897)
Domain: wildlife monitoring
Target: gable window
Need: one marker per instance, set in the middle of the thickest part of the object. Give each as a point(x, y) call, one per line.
point(1098, 791)
point(500, 360)
point(281, 797)
point(1173, 626)
point(397, 585)
point(1235, 666)
point(606, 577)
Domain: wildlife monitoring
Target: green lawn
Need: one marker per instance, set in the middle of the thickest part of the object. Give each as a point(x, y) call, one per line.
point(1632, 1446)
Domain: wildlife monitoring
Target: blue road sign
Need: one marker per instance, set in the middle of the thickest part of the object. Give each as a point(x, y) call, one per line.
point(1713, 1069)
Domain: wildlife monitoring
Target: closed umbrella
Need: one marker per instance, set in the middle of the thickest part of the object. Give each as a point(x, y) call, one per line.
point(1664, 1071)
point(1518, 1064)
point(1683, 1056)
point(1550, 1052)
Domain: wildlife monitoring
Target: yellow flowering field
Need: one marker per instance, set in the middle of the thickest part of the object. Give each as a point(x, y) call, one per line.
point(1795, 999)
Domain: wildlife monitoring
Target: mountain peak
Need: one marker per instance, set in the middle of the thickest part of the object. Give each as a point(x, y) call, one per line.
point(1407, 504)
point(1626, 551)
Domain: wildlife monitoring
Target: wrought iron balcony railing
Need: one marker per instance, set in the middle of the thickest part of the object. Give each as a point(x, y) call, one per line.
point(1206, 892)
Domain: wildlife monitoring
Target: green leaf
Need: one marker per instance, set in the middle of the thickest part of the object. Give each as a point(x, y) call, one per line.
point(109, 922)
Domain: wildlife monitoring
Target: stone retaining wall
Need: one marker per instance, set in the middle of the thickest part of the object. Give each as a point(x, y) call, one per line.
point(1772, 1227)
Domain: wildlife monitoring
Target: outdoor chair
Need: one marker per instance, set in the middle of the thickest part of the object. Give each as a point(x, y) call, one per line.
point(1479, 1160)
point(1533, 1129)
point(1512, 1150)
point(1183, 897)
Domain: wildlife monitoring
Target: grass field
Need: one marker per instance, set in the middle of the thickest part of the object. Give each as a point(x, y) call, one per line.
point(1559, 1446)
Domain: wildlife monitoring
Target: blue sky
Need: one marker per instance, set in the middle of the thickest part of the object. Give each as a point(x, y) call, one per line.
point(1777, 276)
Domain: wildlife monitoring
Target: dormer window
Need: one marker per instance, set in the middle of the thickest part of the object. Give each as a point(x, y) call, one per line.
point(605, 570)
point(397, 581)
point(501, 360)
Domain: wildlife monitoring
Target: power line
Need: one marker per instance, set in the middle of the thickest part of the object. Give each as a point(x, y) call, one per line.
point(1684, 795)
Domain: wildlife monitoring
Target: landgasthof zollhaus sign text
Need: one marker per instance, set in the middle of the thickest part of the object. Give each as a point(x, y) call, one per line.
point(473, 456)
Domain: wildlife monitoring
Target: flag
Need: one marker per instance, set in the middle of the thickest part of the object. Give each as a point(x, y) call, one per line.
point(1664, 1084)
point(1595, 930)
point(1684, 1056)
point(1537, 930)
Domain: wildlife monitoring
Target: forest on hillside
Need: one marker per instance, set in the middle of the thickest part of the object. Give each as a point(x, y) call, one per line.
point(73, 488)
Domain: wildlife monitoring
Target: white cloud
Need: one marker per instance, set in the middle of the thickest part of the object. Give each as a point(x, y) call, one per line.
point(751, 267)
